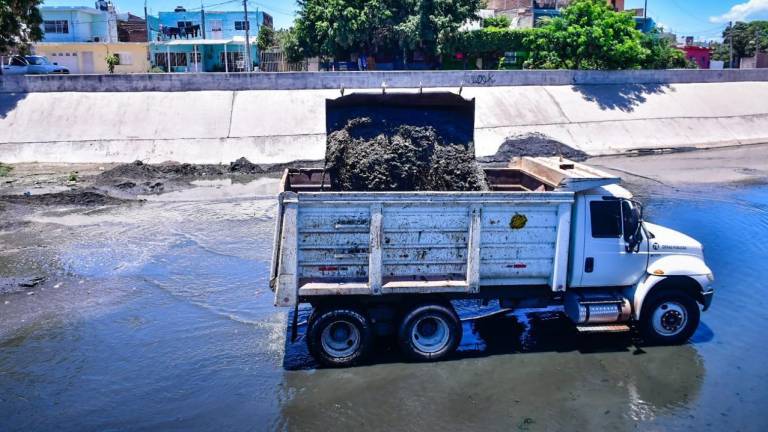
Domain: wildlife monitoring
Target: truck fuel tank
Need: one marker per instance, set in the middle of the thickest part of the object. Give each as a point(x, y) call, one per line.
point(597, 308)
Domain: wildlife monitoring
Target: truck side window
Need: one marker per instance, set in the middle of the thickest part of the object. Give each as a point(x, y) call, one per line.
point(606, 219)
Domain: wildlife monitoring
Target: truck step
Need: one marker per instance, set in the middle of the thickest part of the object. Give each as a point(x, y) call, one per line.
point(607, 328)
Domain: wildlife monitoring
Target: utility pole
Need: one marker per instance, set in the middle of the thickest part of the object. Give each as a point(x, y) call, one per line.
point(202, 18)
point(730, 36)
point(247, 38)
point(645, 12)
point(149, 33)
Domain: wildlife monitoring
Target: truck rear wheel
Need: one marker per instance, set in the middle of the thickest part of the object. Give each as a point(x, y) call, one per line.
point(339, 337)
point(430, 332)
point(669, 318)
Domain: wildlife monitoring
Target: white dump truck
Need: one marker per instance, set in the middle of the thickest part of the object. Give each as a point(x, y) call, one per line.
point(550, 232)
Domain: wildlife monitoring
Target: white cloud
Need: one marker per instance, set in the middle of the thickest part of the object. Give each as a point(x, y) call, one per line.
point(742, 11)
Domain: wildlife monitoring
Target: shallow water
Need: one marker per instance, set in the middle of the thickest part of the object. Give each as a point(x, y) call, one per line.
point(162, 319)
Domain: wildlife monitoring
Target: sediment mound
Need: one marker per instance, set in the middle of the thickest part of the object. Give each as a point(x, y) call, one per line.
point(371, 155)
point(86, 197)
point(134, 170)
point(533, 144)
point(245, 166)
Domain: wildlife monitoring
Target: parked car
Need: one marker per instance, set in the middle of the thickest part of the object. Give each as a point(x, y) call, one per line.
point(20, 65)
point(15, 65)
point(41, 65)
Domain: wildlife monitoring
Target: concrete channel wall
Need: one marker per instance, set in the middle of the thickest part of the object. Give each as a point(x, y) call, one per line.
point(275, 118)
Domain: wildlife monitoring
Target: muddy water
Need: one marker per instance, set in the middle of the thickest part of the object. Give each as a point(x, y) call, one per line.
point(157, 316)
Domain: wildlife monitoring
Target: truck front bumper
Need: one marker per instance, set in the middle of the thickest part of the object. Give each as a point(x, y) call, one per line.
point(707, 297)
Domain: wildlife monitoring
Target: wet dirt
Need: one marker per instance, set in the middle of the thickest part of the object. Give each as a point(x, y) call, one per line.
point(158, 316)
point(371, 155)
point(531, 144)
point(80, 197)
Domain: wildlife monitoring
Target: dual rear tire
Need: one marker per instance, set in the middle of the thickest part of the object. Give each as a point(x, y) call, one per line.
point(344, 336)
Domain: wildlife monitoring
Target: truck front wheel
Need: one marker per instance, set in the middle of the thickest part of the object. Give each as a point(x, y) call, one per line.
point(669, 318)
point(339, 337)
point(430, 332)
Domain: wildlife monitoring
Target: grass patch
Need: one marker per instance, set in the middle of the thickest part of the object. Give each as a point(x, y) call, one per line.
point(5, 169)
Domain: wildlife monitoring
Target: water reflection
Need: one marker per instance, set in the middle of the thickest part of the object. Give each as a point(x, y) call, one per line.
point(511, 371)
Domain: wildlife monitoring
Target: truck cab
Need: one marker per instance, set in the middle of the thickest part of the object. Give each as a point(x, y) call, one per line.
point(616, 251)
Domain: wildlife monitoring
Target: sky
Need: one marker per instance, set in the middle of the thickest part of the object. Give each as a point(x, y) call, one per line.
point(703, 19)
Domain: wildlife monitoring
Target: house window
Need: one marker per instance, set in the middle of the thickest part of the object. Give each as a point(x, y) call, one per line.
point(177, 59)
point(56, 26)
point(124, 58)
point(242, 25)
point(234, 61)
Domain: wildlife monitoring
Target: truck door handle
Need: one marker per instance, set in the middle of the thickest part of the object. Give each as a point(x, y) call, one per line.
point(589, 265)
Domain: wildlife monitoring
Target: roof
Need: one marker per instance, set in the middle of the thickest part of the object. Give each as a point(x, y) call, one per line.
point(235, 39)
point(83, 9)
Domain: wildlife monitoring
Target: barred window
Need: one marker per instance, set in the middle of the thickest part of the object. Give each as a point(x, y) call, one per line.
point(56, 26)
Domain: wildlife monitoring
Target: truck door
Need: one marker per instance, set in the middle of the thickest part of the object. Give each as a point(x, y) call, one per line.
point(607, 262)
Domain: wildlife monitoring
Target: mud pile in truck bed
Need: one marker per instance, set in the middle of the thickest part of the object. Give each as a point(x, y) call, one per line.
point(370, 154)
point(401, 142)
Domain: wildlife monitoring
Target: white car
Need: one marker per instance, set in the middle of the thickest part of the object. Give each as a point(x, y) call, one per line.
point(19, 65)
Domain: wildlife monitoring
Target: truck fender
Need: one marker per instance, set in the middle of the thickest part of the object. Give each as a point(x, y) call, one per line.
point(698, 284)
point(677, 265)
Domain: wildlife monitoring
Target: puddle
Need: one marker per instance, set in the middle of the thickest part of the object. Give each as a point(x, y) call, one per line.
point(221, 189)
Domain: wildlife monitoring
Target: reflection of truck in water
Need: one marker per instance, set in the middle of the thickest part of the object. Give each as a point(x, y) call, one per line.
point(548, 232)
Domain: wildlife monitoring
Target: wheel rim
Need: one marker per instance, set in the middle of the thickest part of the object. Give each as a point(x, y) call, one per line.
point(340, 339)
point(669, 318)
point(430, 334)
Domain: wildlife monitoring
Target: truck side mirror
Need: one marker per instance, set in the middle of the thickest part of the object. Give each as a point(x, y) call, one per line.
point(632, 224)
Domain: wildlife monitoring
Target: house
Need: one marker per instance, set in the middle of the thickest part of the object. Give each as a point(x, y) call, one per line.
point(131, 28)
point(699, 54)
point(205, 41)
point(529, 13)
point(79, 24)
point(81, 38)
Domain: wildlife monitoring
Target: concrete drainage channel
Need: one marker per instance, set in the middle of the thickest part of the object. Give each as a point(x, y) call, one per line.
point(272, 119)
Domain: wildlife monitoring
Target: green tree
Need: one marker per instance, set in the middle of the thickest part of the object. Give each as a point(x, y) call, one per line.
point(428, 25)
point(588, 35)
point(746, 37)
point(340, 27)
point(266, 38)
point(112, 61)
point(20, 22)
point(501, 21)
point(335, 27)
point(662, 54)
point(289, 44)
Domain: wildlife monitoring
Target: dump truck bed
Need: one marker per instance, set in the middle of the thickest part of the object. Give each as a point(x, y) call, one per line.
point(379, 243)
